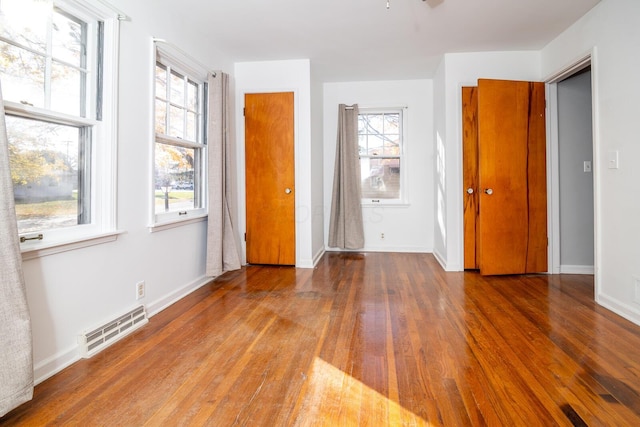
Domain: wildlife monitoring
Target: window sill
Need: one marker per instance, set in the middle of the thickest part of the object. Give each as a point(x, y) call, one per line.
point(37, 250)
point(396, 204)
point(176, 223)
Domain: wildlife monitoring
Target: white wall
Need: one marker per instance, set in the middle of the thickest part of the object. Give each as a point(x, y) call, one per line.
point(406, 228)
point(439, 171)
point(317, 169)
point(282, 76)
point(458, 70)
point(74, 291)
point(612, 32)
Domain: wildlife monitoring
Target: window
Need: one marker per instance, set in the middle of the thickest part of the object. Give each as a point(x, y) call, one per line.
point(58, 103)
point(380, 135)
point(179, 146)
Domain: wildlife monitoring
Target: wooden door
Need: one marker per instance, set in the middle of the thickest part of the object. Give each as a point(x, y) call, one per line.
point(269, 163)
point(512, 179)
point(470, 176)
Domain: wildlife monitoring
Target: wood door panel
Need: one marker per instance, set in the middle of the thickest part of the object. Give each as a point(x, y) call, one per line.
point(269, 162)
point(512, 148)
point(470, 175)
point(537, 178)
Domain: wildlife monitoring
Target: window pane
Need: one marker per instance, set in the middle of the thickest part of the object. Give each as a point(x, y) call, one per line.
point(362, 144)
point(176, 122)
point(25, 22)
point(66, 90)
point(174, 180)
point(375, 144)
point(68, 36)
point(161, 116)
point(391, 124)
point(391, 145)
point(22, 75)
point(44, 170)
point(177, 88)
point(362, 124)
point(191, 127)
point(380, 178)
point(374, 123)
point(192, 96)
point(161, 82)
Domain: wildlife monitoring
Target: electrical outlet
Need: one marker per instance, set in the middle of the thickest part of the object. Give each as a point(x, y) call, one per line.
point(140, 290)
point(636, 282)
point(381, 236)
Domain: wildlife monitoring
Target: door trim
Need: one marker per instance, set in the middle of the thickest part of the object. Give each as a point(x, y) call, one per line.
point(240, 156)
point(553, 181)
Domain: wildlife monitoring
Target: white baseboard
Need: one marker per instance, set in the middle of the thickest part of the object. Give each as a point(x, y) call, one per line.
point(54, 364)
point(444, 264)
point(577, 269)
point(310, 263)
point(629, 312)
point(440, 259)
point(401, 249)
point(164, 302)
point(317, 256)
point(416, 250)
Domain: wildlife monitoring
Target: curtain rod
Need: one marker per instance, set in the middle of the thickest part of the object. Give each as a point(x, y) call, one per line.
point(157, 40)
point(121, 15)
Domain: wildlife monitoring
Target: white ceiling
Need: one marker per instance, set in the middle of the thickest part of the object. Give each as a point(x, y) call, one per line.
point(363, 40)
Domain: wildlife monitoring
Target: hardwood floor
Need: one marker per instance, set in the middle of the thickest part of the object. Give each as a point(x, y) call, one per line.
point(363, 339)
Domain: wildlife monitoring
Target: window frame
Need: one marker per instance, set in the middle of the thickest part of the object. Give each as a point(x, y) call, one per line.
point(175, 60)
point(402, 200)
point(99, 98)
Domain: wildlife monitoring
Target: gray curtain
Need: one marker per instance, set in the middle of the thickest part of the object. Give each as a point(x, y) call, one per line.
point(16, 359)
point(346, 228)
point(222, 251)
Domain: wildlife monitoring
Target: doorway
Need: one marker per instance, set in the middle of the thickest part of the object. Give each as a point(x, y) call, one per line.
point(574, 196)
point(575, 167)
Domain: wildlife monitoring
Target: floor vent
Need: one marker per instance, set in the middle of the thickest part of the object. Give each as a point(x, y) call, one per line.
point(93, 341)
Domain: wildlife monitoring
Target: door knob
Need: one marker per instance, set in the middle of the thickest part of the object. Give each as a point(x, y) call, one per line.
point(287, 190)
point(470, 190)
point(488, 191)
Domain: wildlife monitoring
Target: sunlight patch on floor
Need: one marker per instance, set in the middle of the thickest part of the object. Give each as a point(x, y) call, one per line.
point(333, 398)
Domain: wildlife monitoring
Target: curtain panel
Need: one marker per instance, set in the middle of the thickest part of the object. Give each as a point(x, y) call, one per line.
point(346, 229)
point(16, 351)
point(222, 250)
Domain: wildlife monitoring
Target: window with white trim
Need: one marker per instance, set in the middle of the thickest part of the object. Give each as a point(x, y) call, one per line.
point(57, 68)
point(380, 140)
point(180, 142)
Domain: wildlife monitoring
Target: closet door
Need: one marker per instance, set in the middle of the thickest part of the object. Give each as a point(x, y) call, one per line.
point(270, 178)
point(512, 177)
point(470, 176)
